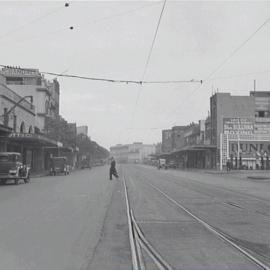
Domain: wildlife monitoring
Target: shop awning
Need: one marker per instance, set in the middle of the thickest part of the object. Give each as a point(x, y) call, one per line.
point(4, 129)
point(35, 139)
point(196, 147)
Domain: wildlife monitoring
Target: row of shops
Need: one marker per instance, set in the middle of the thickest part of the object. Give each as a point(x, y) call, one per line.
point(236, 134)
point(36, 149)
point(199, 157)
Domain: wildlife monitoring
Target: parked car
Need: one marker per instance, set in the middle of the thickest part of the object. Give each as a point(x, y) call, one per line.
point(172, 164)
point(162, 164)
point(12, 168)
point(85, 164)
point(59, 166)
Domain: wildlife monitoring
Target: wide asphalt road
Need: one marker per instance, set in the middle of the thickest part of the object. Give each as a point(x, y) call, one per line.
point(80, 221)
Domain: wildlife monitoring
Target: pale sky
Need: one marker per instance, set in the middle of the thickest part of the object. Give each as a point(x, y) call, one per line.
point(112, 39)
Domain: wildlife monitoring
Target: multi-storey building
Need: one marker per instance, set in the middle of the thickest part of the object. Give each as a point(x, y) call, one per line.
point(167, 141)
point(45, 93)
point(18, 119)
point(82, 130)
point(237, 129)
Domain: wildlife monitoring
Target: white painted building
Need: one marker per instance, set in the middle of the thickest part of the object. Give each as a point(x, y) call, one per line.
point(45, 93)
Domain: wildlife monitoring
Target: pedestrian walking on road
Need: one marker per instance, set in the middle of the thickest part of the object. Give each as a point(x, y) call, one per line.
point(113, 171)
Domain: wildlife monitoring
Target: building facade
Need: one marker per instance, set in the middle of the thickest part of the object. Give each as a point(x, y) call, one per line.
point(236, 131)
point(36, 130)
point(132, 153)
point(82, 130)
point(45, 93)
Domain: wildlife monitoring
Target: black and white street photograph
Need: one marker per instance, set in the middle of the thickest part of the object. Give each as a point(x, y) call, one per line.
point(134, 135)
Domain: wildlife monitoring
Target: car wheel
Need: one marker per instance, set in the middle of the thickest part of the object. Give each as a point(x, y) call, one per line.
point(27, 180)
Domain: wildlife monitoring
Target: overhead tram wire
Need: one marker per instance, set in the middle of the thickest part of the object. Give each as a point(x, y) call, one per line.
point(207, 78)
point(108, 79)
point(47, 14)
point(147, 61)
point(94, 21)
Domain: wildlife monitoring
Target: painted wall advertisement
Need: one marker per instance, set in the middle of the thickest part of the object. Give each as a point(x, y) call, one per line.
point(251, 148)
point(241, 126)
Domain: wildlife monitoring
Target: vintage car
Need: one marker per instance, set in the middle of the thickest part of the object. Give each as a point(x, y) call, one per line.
point(12, 168)
point(85, 164)
point(59, 166)
point(162, 164)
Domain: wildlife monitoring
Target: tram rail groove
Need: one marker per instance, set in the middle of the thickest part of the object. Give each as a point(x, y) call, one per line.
point(155, 256)
point(213, 230)
point(138, 240)
point(134, 253)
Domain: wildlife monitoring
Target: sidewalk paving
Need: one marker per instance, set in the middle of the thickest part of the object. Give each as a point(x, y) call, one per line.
point(39, 174)
point(251, 174)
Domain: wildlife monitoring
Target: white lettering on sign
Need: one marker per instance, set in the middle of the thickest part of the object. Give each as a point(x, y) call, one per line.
point(21, 135)
point(242, 126)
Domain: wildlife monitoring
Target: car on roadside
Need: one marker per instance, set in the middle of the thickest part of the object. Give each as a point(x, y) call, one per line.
point(162, 164)
point(172, 164)
point(85, 164)
point(12, 168)
point(59, 166)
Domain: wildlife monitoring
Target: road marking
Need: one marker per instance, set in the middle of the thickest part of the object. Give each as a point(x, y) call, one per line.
point(210, 228)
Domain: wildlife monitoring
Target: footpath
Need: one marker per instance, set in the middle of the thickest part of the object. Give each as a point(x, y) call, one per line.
point(250, 174)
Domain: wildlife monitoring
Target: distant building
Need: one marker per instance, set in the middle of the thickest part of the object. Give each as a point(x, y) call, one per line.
point(120, 153)
point(132, 153)
point(236, 131)
point(82, 130)
point(167, 144)
point(224, 105)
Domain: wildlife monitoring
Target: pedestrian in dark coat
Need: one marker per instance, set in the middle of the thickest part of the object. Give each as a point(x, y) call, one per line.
point(113, 171)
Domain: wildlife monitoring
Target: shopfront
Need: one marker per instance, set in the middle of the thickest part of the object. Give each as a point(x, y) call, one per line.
point(34, 148)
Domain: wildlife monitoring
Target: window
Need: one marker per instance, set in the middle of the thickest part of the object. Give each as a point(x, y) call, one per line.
point(261, 114)
point(30, 129)
point(22, 128)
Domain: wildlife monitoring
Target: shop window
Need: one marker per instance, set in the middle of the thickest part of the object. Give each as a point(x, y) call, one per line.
point(15, 123)
point(261, 114)
point(22, 128)
point(47, 107)
point(30, 129)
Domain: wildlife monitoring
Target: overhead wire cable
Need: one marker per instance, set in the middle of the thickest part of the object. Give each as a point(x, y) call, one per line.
point(105, 79)
point(47, 14)
point(76, 27)
point(238, 48)
point(147, 62)
point(120, 14)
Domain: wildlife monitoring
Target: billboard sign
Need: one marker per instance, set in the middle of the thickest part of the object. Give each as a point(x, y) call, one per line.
point(250, 149)
point(241, 126)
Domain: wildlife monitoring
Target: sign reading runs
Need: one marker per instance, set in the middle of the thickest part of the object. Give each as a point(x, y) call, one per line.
point(241, 126)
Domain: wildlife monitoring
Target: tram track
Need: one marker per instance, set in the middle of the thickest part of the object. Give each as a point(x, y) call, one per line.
point(138, 241)
point(213, 230)
point(251, 255)
point(200, 188)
